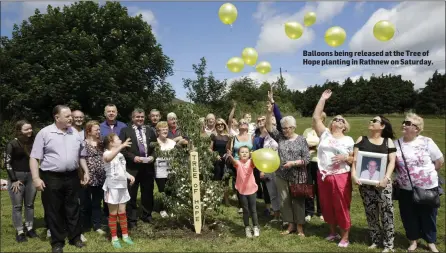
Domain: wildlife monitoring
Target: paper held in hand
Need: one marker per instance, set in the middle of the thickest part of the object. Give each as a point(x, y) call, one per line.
point(195, 176)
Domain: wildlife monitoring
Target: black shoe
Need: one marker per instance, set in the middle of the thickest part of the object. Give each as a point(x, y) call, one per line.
point(31, 233)
point(78, 244)
point(21, 238)
point(57, 249)
point(131, 225)
point(147, 219)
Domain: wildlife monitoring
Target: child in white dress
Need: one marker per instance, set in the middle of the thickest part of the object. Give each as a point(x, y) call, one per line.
point(115, 189)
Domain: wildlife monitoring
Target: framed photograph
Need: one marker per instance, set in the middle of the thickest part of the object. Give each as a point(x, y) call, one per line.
point(371, 167)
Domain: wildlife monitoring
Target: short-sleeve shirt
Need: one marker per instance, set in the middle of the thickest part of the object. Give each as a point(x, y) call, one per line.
point(115, 172)
point(238, 144)
point(95, 163)
point(330, 147)
point(420, 155)
point(245, 182)
point(58, 151)
point(162, 165)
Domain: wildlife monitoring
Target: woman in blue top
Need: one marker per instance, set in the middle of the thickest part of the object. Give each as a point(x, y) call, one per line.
point(242, 139)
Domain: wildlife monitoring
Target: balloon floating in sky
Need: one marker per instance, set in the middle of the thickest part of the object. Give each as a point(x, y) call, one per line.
point(235, 64)
point(293, 30)
point(266, 160)
point(250, 56)
point(335, 36)
point(227, 13)
point(309, 18)
point(263, 67)
point(384, 30)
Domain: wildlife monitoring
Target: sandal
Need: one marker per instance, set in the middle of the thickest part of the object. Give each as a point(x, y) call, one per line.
point(287, 232)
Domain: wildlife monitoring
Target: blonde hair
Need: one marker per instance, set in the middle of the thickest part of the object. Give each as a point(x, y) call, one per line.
point(222, 121)
point(161, 124)
point(346, 124)
point(416, 120)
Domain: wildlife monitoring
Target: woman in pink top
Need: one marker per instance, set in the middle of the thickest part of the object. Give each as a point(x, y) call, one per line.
point(247, 187)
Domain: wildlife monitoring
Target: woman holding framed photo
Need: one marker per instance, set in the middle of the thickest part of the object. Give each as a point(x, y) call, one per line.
point(377, 199)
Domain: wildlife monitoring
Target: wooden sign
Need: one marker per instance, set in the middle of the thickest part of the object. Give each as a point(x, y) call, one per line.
point(196, 198)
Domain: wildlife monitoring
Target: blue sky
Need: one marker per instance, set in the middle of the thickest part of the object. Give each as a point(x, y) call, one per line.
point(191, 30)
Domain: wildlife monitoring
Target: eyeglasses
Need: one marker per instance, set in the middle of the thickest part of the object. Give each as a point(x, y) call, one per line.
point(339, 120)
point(409, 123)
point(219, 124)
point(260, 120)
point(375, 121)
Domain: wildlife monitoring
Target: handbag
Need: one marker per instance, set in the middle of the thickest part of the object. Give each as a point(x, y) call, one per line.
point(305, 190)
point(430, 197)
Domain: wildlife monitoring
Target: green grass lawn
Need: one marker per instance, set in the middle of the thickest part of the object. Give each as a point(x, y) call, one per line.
point(228, 234)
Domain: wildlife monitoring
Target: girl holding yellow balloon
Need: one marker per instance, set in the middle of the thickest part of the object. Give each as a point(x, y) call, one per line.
point(294, 155)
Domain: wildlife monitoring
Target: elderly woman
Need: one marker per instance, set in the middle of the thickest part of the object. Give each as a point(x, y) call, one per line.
point(175, 132)
point(422, 158)
point(335, 155)
point(313, 141)
point(162, 166)
point(294, 155)
point(210, 124)
point(377, 199)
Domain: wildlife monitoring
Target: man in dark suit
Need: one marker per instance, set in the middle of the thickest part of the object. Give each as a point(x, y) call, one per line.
point(139, 158)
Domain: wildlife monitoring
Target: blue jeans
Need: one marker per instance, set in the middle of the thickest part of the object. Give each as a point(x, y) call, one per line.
point(27, 195)
point(91, 212)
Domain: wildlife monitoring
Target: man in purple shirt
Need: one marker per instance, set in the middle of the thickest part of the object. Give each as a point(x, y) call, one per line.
point(111, 125)
point(58, 147)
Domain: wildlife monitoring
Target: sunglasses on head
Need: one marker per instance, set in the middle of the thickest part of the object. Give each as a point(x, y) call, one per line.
point(339, 120)
point(375, 121)
point(409, 123)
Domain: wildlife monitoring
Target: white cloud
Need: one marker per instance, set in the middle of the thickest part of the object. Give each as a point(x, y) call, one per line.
point(424, 30)
point(147, 15)
point(359, 7)
point(272, 37)
point(292, 81)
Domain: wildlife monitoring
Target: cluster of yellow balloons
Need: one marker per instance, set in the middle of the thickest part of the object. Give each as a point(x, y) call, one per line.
point(228, 15)
point(294, 30)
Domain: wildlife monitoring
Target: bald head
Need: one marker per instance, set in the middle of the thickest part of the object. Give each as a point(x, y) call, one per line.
point(78, 118)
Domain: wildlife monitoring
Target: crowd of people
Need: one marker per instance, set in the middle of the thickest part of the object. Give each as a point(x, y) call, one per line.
point(88, 171)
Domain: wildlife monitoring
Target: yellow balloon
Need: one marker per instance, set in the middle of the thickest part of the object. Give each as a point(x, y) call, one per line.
point(263, 67)
point(227, 13)
point(309, 18)
point(293, 30)
point(384, 30)
point(335, 36)
point(235, 64)
point(266, 160)
point(250, 56)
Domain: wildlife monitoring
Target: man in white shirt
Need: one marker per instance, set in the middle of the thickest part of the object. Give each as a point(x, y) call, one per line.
point(372, 171)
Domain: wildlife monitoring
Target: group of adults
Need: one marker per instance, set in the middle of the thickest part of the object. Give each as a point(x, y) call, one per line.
point(324, 156)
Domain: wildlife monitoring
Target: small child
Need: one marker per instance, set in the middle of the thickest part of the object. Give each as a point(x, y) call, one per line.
point(247, 187)
point(115, 189)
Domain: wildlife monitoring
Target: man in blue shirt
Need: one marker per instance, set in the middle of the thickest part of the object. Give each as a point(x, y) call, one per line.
point(111, 125)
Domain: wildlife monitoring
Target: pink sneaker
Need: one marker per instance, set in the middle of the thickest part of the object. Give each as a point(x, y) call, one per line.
point(343, 244)
point(333, 237)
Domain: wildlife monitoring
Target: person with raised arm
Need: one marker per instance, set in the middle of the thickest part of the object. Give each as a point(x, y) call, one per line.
point(232, 122)
point(294, 155)
point(335, 156)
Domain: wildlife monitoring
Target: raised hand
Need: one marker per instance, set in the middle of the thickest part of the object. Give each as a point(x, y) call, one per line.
point(127, 143)
point(326, 95)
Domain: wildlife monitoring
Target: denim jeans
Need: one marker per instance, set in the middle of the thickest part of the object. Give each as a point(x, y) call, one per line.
point(27, 195)
point(91, 199)
point(249, 206)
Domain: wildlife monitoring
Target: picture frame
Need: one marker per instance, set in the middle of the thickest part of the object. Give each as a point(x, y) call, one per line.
point(371, 167)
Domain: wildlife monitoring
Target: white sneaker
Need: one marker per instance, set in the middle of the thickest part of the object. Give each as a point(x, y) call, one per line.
point(240, 210)
point(256, 231)
point(83, 239)
point(100, 231)
point(308, 218)
point(48, 233)
point(248, 232)
point(164, 214)
point(373, 246)
point(322, 218)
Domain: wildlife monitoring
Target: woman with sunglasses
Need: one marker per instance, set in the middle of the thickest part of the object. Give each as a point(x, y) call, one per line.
point(294, 155)
point(422, 157)
point(219, 141)
point(377, 199)
point(265, 181)
point(335, 155)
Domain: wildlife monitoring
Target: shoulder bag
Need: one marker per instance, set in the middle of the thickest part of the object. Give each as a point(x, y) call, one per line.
point(302, 190)
point(430, 197)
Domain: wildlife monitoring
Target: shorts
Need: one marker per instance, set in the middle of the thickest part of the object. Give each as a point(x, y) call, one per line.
point(116, 196)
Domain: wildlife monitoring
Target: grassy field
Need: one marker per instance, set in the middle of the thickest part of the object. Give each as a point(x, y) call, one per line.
point(228, 234)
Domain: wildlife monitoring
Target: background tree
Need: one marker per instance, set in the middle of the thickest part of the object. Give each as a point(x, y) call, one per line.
point(432, 98)
point(86, 56)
